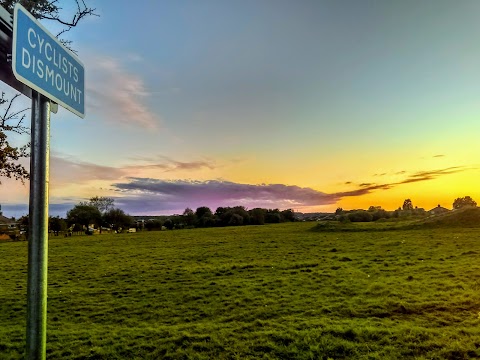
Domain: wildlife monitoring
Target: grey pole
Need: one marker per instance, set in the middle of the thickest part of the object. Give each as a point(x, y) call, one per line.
point(36, 345)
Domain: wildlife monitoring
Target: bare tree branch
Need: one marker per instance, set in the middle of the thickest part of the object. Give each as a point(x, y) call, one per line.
point(9, 117)
point(49, 10)
point(12, 120)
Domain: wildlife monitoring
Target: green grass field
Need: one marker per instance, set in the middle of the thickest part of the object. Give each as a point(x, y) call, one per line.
point(266, 292)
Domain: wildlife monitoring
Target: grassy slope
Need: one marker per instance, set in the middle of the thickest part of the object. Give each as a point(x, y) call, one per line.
point(277, 291)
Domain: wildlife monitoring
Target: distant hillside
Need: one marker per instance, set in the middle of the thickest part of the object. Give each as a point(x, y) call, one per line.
point(464, 218)
point(469, 217)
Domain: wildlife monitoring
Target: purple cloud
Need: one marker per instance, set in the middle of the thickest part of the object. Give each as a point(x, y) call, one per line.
point(143, 195)
point(146, 195)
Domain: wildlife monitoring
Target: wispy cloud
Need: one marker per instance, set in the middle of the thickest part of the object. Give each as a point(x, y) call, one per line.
point(68, 170)
point(168, 164)
point(432, 174)
point(118, 94)
point(366, 184)
point(439, 156)
point(365, 188)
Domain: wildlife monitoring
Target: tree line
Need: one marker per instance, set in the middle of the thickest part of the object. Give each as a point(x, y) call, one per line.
point(97, 211)
point(100, 213)
point(227, 216)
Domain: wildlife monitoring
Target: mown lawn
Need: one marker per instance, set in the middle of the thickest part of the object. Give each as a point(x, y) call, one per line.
point(267, 292)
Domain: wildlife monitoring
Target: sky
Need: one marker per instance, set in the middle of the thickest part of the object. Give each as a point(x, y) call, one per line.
point(310, 105)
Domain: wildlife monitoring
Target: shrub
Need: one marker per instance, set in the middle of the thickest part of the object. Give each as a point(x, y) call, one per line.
point(360, 216)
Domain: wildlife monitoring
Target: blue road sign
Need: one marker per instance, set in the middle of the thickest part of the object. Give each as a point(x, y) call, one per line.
point(44, 64)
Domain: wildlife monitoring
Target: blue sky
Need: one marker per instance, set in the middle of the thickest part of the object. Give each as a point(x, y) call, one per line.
point(302, 102)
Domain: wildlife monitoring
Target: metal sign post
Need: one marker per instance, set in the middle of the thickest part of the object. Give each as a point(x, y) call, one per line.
point(38, 229)
point(42, 68)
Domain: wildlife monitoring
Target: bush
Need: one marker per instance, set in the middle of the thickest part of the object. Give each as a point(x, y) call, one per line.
point(169, 224)
point(360, 216)
point(235, 220)
point(153, 225)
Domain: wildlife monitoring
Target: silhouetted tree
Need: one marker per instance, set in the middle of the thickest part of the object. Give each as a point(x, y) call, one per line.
point(464, 201)
point(189, 217)
point(102, 203)
point(257, 216)
point(169, 224)
point(153, 225)
point(84, 214)
point(273, 216)
point(203, 211)
point(204, 216)
point(288, 215)
point(407, 205)
point(56, 224)
point(117, 218)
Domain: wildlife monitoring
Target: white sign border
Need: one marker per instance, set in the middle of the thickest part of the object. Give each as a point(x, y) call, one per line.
point(27, 82)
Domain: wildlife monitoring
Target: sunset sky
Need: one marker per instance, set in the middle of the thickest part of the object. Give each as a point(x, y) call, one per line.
point(309, 105)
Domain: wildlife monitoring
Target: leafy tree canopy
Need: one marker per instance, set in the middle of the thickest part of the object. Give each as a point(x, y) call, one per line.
point(117, 219)
point(464, 201)
point(84, 214)
point(102, 203)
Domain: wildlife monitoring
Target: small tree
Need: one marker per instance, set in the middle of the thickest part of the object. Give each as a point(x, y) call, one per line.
point(288, 215)
point(56, 224)
point(84, 215)
point(407, 205)
point(169, 224)
point(204, 216)
point(103, 204)
point(203, 211)
point(153, 225)
point(464, 201)
point(189, 217)
point(116, 218)
point(12, 122)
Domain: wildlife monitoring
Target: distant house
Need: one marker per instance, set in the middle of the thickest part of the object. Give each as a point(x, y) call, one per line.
point(8, 227)
point(438, 210)
point(7, 223)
